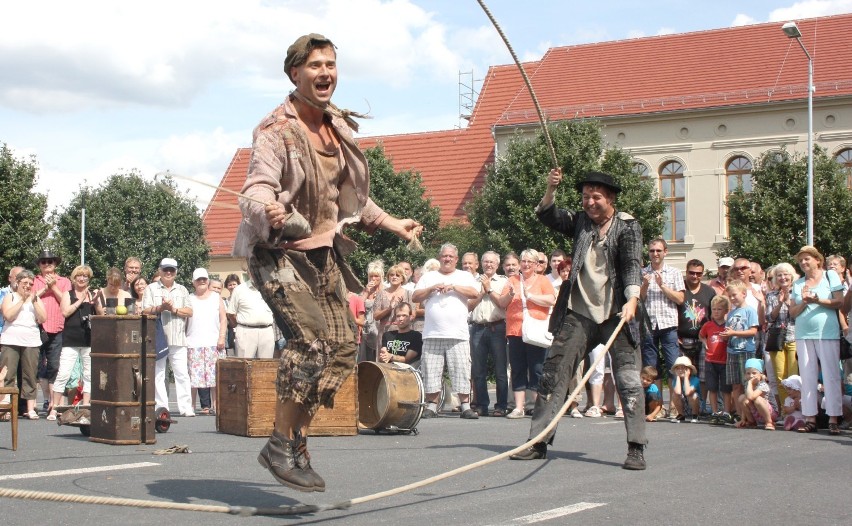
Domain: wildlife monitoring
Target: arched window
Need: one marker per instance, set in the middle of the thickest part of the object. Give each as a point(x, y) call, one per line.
point(641, 169)
point(844, 158)
point(673, 194)
point(738, 172)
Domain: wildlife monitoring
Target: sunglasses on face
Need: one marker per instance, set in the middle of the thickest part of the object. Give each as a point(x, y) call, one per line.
point(744, 267)
point(654, 251)
point(168, 269)
point(694, 273)
point(47, 262)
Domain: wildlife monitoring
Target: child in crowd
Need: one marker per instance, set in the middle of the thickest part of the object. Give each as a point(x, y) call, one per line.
point(715, 359)
point(653, 398)
point(740, 329)
point(793, 417)
point(686, 389)
point(757, 405)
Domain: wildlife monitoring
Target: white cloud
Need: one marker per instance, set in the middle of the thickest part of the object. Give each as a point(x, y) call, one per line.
point(810, 9)
point(743, 20)
point(163, 53)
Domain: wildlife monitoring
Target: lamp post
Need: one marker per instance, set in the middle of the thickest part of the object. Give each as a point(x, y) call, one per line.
point(792, 30)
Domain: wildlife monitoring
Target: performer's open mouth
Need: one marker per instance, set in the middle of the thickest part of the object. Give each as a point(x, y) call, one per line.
point(323, 88)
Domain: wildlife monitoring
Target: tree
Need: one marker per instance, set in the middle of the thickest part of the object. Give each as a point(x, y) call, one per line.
point(768, 224)
point(23, 228)
point(502, 210)
point(129, 216)
point(400, 194)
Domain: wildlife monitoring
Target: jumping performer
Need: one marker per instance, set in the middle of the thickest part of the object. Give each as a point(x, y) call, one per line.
point(602, 287)
point(314, 180)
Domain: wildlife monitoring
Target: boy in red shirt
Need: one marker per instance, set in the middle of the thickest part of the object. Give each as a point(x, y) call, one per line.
point(715, 358)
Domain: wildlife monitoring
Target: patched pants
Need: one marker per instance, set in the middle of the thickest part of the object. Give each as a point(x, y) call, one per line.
point(572, 342)
point(306, 292)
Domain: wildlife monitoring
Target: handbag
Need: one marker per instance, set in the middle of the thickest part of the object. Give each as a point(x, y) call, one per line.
point(845, 349)
point(533, 330)
point(775, 338)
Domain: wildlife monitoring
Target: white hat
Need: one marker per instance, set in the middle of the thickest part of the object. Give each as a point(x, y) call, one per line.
point(793, 382)
point(168, 262)
point(199, 273)
point(726, 262)
point(686, 362)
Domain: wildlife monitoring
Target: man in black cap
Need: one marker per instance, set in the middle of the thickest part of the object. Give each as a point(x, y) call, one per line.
point(314, 181)
point(603, 287)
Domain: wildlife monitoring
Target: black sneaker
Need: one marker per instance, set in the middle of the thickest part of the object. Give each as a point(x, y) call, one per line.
point(469, 414)
point(428, 413)
point(635, 457)
point(537, 451)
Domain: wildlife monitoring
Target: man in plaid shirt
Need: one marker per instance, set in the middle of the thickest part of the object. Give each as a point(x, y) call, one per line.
point(662, 292)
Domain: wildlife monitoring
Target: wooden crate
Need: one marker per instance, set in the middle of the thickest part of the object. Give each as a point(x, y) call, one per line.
point(246, 398)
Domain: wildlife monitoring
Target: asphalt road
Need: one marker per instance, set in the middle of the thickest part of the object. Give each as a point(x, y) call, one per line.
point(697, 474)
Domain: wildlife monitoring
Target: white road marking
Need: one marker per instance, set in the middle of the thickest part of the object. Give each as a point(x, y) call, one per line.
point(554, 513)
point(79, 471)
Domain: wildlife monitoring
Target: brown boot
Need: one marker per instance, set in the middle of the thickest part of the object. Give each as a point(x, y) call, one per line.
point(303, 460)
point(279, 457)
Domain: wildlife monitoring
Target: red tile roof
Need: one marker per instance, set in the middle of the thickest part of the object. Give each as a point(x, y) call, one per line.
point(705, 69)
point(221, 219)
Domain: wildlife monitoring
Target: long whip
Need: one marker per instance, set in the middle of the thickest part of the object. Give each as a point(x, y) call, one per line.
point(526, 81)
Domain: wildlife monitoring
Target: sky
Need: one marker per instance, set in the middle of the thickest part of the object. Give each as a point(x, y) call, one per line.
point(97, 87)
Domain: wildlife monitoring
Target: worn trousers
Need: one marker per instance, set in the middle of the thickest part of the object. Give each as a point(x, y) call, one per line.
point(572, 342)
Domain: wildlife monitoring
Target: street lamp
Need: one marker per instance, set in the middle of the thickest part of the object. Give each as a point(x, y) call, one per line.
point(792, 30)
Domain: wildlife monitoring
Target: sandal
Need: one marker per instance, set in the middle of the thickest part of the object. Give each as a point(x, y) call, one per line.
point(769, 426)
point(32, 415)
point(809, 427)
point(204, 411)
point(594, 412)
point(833, 429)
point(52, 416)
point(619, 413)
point(499, 412)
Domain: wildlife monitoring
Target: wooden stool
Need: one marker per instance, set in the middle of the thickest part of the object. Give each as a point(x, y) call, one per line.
point(11, 408)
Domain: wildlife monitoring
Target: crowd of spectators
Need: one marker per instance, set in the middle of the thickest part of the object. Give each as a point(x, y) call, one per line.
point(739, 346)
point(736, 346)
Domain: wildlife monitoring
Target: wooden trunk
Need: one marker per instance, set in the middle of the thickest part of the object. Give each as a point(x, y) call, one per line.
point(246, 398)
point(123, 358)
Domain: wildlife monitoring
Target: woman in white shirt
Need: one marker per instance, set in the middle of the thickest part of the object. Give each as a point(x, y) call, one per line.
point(20, 341)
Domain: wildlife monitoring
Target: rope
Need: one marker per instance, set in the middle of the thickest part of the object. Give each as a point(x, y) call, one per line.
point(538, 438)
point(303, 509)
point(526, 81)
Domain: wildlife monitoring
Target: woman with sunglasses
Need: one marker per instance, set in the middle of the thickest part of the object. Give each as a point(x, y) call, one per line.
point(77, 307)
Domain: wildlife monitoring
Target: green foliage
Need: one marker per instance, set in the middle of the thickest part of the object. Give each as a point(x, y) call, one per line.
point(401, 195)
point(769, 224)
point(462, 235)
point(23, 228)
point(502, 212)
point(129, 216)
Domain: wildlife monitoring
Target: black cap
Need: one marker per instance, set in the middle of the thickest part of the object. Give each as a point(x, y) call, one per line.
point(48, 254)
point(598, 179)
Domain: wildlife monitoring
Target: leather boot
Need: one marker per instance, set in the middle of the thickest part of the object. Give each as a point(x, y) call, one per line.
point(635, 457)
point(279, 457)
point(303, 460)
point(534, 452)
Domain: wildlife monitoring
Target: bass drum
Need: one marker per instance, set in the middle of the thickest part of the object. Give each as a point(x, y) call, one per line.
point(390, 397)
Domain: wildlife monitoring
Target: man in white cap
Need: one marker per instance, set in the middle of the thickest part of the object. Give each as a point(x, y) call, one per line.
point(169, 301)
point(721, 280)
